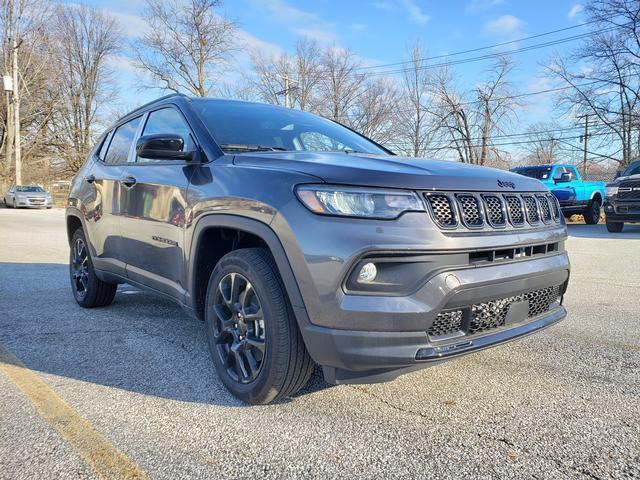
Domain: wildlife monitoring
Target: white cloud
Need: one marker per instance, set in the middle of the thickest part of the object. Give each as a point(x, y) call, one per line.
point(415, 11)
point(575, 10)
point(249, 43)
point(410, 7)
point(302, 22)
point(505, 25)
point(132, 26)
point(319, 34)
point(479, 5)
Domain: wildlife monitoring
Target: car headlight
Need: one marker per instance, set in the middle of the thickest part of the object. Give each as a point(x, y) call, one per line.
point(610, 191)
point(358, 202)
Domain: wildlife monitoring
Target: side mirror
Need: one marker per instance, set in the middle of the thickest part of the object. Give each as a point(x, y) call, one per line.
point(565, 178)
point(618, 174)
point(163, 146)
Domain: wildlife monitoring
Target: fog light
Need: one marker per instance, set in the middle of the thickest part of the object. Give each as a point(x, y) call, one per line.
point(367, 273)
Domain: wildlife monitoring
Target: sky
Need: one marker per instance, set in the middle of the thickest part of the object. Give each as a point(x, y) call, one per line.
point(380, 32)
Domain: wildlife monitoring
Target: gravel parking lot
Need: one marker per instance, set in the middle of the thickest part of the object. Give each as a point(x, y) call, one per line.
point(562, 403)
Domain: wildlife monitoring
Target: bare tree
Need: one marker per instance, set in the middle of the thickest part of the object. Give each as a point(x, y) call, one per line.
point(415, 117)
point(468, 125)
point(27, 60)
point(85, 39)
point(186, 46)
point(340, 84)
point(373, 111)
point(604, 76)
point(543, 145)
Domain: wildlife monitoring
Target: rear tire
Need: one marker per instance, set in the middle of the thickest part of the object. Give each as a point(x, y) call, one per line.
point(88, 290)
point(254, 339)
point(614, 227)
point(591, 214)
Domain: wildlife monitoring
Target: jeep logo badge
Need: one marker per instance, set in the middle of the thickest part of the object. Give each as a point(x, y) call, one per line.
point(506, 184)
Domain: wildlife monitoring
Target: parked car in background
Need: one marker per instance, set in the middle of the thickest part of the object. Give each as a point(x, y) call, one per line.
point(622, 199)
point(576, 196)
point(27, 196)
point(299, 241)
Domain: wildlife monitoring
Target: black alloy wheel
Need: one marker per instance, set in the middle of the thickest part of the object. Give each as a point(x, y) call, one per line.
point(239, 331)
point(80, 268)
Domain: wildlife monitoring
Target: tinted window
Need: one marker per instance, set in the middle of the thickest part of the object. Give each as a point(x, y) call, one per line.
point(573, 172)
point(167, 120)
point(105, 144)
point(634, 169)
point(28, 189)
point(558, 173)
point(121, 142)
point(540, 173)
point(237, 124)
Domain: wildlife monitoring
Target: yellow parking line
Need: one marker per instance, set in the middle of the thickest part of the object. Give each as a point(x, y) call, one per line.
point(96, 450)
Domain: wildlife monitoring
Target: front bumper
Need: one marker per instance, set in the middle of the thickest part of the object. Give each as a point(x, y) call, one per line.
point(618, 211)
point(375, 337)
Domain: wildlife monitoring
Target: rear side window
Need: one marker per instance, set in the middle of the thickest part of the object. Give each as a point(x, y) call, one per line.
point(167, 120)
point(118, 150)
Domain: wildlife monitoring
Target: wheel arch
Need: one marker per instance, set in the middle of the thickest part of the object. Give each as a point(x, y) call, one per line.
point(260, 234)
point(73, 222)
point(596, 195)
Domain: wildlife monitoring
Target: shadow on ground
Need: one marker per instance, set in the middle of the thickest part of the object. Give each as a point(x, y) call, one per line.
point(142, 342)
point(630, 232)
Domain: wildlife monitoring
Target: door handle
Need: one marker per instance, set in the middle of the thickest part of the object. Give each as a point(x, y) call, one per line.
point(128, 181)
point(90, 178)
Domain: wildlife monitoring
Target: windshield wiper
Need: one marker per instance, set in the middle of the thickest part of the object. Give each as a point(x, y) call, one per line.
point(242, 147)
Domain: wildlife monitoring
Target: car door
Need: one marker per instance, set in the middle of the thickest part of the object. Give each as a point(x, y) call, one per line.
point(102, 197)
point(577, 184)
point(8, 198)
point(153, 209)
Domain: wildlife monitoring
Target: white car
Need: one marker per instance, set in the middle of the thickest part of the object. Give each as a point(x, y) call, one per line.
point(28, 196)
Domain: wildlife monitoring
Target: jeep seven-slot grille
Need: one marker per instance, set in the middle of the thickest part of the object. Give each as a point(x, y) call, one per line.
point(470, 209)
point(492, 210)
point(495, 210)
point(545, 210)
point(629, 191)
point(442, 210)
point(481, 317)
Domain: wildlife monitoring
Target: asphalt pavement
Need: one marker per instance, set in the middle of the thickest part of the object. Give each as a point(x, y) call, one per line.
point(563, 403)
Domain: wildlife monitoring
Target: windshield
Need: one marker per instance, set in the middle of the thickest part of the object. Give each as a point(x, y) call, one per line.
point(239, 126)
point(540, 173)
point(633, 169)
point(28, 189)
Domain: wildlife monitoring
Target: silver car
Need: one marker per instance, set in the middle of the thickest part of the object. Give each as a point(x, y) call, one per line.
point(27, 196)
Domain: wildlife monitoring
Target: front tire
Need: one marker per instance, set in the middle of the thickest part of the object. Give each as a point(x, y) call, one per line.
point(591, 214)
point(614, 227)
point(254, 340)
point(88, 290)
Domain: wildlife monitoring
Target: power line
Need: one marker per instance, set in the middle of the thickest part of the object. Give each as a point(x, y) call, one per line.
point(478, 49)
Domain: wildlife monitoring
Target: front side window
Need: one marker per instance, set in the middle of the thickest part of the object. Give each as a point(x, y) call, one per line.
point(118, 150)
point(244, 126)
point(539, 173)
point(573, 172)
point(167, 120)
point(105, 145)
point(558, 173)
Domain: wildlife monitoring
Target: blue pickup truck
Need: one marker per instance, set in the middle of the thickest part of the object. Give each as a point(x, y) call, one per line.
point(575, 195)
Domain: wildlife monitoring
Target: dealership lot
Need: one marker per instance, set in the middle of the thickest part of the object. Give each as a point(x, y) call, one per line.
point(562, 403)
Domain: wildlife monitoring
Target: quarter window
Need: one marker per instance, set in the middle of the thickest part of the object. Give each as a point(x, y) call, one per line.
point(118, 150)
point(105, 145)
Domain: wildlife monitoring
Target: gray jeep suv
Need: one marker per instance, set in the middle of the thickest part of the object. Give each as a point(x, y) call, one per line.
point(300, 242)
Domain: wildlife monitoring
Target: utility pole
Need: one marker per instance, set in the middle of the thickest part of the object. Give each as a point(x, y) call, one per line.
point(585, 138)
point(286, 90)
point(16, 113)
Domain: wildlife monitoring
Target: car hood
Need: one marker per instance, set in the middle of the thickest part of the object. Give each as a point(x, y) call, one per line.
point(628, 177)
point(391, 171)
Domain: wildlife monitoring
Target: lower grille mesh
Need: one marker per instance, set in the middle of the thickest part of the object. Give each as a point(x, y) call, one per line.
point(493, 314)
point(446, 323)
